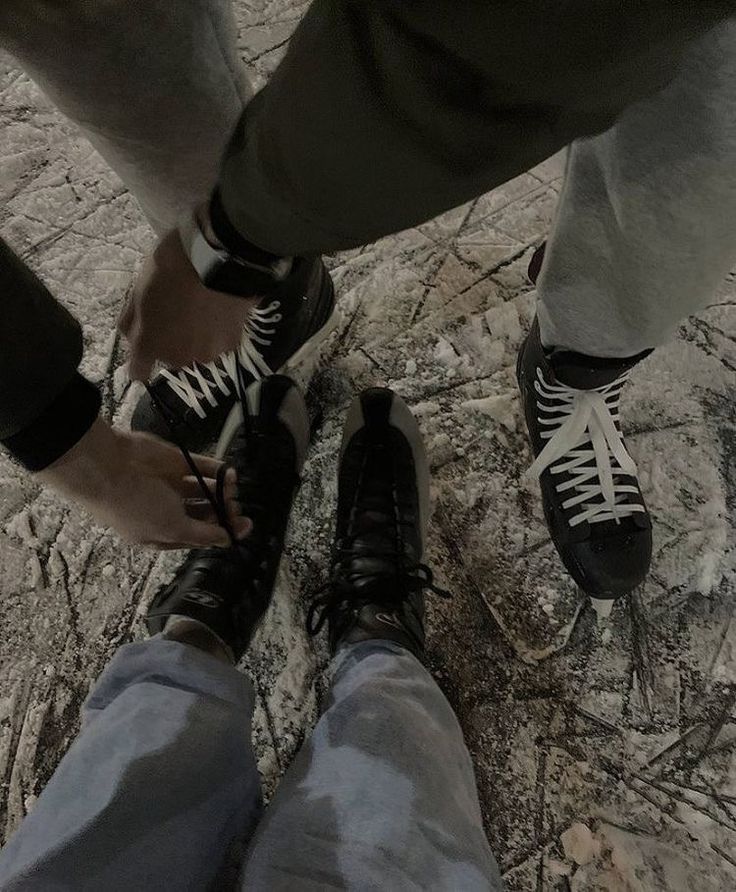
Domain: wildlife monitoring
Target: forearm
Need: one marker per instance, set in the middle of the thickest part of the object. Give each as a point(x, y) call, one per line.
point(384, 114)
point(45, 405)
point(82, 472)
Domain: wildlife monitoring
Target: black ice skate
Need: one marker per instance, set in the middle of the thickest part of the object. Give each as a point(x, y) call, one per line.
point(280, 334)
point(592, 502)
point(377, 579)
point(228, 590)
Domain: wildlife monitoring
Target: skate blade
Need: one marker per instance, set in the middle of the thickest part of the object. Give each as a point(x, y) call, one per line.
point(602, 607)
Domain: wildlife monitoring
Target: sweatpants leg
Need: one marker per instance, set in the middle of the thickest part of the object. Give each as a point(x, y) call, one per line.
point(382, 797)
point(156, 86)
point(159, 784)
point(646, 228)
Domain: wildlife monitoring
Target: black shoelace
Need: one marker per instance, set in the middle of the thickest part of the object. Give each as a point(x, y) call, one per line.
point(384, 589)
point(348, 590)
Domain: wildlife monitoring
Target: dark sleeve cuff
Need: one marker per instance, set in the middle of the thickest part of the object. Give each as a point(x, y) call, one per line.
point(59, 427)
point(233, 241)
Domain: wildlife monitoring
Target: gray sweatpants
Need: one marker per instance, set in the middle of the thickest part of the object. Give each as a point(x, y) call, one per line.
point(161, 787)
point(646, 227)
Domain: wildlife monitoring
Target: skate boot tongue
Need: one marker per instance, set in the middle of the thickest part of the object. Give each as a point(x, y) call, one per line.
point(377, 554)
point(588, 372)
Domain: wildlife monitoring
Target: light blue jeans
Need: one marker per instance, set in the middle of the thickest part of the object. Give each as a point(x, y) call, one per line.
point(160, 790)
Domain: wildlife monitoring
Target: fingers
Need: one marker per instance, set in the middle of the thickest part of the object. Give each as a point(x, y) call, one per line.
point(201, 509)
point(140, 364)
point(242, 527)
point(173, 464)
point(166, 461)
point(197, 532)
point(208, 467)
point(200, 534)
point(127, 317)
point(190, 488)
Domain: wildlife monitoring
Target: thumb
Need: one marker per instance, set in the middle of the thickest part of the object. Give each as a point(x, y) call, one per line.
point(127, 317)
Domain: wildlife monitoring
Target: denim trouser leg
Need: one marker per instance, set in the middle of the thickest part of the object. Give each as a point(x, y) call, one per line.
point(157, 787)
point(162, 782)
point(382, 796)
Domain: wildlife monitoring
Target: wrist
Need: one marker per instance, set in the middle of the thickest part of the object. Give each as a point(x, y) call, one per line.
point(223, 264)
point(87, 470)
point(58, 427)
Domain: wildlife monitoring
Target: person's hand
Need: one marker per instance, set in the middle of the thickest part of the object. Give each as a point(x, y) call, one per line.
point(141, 486)
point(172, 317)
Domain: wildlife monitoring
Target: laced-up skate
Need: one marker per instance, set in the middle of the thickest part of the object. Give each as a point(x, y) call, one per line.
point(377, 580)
point(277, 337)
point(229, 589)
point(594, 508)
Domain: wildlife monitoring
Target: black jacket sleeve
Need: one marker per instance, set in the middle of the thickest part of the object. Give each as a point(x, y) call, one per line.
point(46, 406)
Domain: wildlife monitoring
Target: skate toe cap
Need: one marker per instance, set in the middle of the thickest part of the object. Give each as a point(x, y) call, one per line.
point(613, 566)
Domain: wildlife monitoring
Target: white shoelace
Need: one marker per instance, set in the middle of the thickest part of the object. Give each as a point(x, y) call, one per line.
point(191, 386)
point(583, 440)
